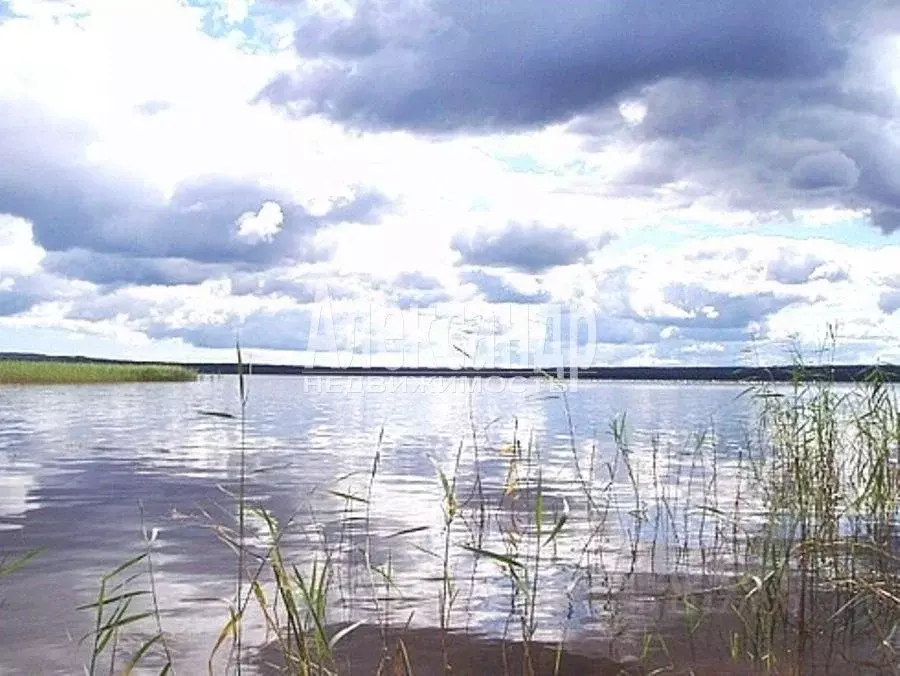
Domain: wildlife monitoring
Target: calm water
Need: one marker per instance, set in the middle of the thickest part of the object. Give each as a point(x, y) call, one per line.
point(79, 465)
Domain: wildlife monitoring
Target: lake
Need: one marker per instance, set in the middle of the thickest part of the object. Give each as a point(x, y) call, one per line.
point(84, 468)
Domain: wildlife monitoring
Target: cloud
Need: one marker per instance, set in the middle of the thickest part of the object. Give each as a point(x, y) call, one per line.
point(366, 206)
point(445, 65)
point(47, 177)
point(795, 267)
point(586, 329)
point(719, 291)
point(531, 248)
point(694, 303)
point(416, 290)
point(889, 301)
point(830, 169)
point(19, 295)
point(298, 284)
point(263, 225)
point(207, 315)
point(19, 253)
point(770, 147)
point(13, 302)
point(417, 280)
point(23, 283)
point(701, 307)
point(283, 330)
point(112, 270)
point(758, 106)
point(495, 289)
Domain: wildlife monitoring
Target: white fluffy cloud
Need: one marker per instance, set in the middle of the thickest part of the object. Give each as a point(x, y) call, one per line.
point(262, 225)
point(19, 255)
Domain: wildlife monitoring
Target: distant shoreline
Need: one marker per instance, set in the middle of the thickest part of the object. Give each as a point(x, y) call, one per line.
point(781, 373)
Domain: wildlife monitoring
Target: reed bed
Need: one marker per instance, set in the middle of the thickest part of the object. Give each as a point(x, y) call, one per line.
point(70, 373)
point(781, 557)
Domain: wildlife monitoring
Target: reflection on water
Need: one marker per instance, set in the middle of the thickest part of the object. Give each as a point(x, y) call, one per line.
point(81, 467)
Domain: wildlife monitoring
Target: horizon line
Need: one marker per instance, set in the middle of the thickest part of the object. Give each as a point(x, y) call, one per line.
point(847, 372)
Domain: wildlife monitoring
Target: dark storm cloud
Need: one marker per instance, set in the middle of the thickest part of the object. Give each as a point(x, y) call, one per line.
point(495, 289)
point(887, 219)
point(118, 270)
point(199, 223)
point(73, 204)
point(878, 155)
point(761, 105)
point(531, 248)
point(684, 108)
point(775, 157)
point(831, 169)
point(772, 146)
point(446, 65)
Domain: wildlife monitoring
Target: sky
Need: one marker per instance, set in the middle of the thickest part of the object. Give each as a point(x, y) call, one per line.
point(450, 182)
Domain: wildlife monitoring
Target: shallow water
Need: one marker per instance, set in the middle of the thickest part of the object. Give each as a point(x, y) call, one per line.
point(82, 467)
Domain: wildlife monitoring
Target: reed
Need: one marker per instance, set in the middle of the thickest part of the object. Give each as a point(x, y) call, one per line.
point(68, 373)
point(12, 564)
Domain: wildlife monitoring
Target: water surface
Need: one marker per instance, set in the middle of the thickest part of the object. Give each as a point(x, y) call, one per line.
point(82, 468)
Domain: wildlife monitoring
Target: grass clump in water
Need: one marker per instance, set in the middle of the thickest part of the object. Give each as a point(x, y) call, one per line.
point(69, 373)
